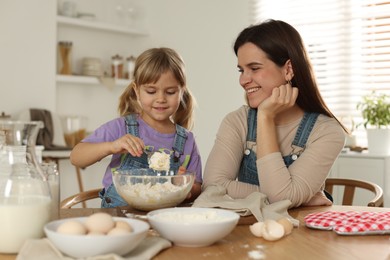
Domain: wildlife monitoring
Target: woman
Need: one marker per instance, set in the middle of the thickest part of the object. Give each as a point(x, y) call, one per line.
point(284, 142)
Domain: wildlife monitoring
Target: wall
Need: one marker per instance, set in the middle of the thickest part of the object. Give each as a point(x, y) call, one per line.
point(202, 31)
point(28, 36)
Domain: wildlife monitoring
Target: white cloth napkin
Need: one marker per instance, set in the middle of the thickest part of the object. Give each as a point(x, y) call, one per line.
point(43, 249)
point(255, 203)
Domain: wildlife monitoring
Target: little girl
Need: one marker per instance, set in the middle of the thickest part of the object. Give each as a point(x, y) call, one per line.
point(156, 110)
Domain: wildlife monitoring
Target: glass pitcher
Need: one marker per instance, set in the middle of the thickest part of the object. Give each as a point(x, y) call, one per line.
point(24, 192)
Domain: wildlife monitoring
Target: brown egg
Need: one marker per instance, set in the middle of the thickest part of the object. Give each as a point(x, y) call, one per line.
point(118, 232)
point(72, 227)
point(99, 222)
point(287, 225)
point(123, 225)
point(272, 230)
point(256, 229)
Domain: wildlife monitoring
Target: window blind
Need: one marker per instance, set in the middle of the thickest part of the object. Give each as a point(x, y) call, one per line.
point(349, 45)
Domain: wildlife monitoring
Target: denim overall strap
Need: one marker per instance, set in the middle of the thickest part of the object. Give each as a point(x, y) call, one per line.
point(179, 142)
point(132, 125)
point(252, 125)
point(300, 139)
point(248, 169)
point(304, 129)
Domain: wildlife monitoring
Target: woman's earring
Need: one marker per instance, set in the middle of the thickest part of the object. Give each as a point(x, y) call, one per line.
point(289, 82)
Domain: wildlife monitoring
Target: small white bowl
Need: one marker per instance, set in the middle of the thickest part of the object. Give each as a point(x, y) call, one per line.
point(193, 227)
point(79, 246)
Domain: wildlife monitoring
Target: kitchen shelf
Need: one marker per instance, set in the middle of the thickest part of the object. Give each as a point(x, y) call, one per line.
point(87, 80)
point(99, 26)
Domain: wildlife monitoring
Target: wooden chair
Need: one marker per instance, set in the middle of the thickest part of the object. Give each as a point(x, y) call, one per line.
point(80, 198)
point(350, 186)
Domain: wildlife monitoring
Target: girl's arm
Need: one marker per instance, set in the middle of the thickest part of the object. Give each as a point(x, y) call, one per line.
point(194, 165)
point(85, 154)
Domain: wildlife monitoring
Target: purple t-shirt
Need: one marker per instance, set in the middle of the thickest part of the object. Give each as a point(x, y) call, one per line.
point(116, 128)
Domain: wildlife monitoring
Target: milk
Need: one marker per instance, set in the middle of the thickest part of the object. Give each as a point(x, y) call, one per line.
point(22, 218)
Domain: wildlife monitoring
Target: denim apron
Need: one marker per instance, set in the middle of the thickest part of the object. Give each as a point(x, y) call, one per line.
point(110, 197)
point(248, 168)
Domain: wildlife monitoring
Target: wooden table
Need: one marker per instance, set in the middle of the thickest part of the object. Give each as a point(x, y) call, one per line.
point(303, 243)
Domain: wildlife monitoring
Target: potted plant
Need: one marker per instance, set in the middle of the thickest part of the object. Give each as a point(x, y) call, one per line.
point(375, 108)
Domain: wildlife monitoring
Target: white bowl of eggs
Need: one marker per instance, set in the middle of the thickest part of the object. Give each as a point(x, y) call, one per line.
point(191, 226)
point(97, 234)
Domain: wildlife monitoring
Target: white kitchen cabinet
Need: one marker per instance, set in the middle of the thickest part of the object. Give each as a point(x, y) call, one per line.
point(97, 25)
point(99, 39)
point(374, 168)
point(85, 95)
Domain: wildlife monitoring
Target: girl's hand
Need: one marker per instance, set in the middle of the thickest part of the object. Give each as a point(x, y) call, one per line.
point(194, 192)
point(281, 99)
point(128, 143)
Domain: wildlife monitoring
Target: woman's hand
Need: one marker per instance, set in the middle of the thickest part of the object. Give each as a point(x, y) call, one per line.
point(281, 99)
point(128, 143)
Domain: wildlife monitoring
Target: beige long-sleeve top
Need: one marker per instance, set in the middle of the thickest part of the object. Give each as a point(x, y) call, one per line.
point(301, 183)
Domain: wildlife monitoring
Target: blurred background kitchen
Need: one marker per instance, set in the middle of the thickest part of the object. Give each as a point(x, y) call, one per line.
point(32, 73)
point(72, 58)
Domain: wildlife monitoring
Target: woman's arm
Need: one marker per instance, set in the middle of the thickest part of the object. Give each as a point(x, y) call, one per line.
point(306, 176)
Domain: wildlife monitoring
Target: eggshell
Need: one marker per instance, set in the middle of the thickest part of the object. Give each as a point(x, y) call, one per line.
point(287, 225)
point(272, 230)
point(118, 232)
point(256, 229)
point(72, 227)
point(123, 225)
point(99, 222)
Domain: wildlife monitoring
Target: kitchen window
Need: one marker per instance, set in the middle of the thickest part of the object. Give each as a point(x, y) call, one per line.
point(349, 45)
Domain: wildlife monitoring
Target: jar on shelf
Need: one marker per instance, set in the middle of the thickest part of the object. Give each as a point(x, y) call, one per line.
point(65, 51)
point(130, 64)
point(92, 67)
point(117, 66)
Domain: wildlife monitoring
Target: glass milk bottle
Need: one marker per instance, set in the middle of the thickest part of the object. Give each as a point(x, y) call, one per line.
point(24, 192)
point(53, 179)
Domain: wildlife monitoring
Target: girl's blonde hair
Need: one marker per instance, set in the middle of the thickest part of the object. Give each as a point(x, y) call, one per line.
point(149, 66)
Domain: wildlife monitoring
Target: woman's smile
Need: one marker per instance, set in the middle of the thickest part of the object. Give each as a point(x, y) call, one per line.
point(252, 90)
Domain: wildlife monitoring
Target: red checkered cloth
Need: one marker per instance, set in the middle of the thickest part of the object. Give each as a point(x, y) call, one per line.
point(350, 222)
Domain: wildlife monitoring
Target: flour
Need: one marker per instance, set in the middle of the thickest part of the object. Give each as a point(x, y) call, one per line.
point(148, 194)
point(256, 254)
point(160, 161)
point(190, 217)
